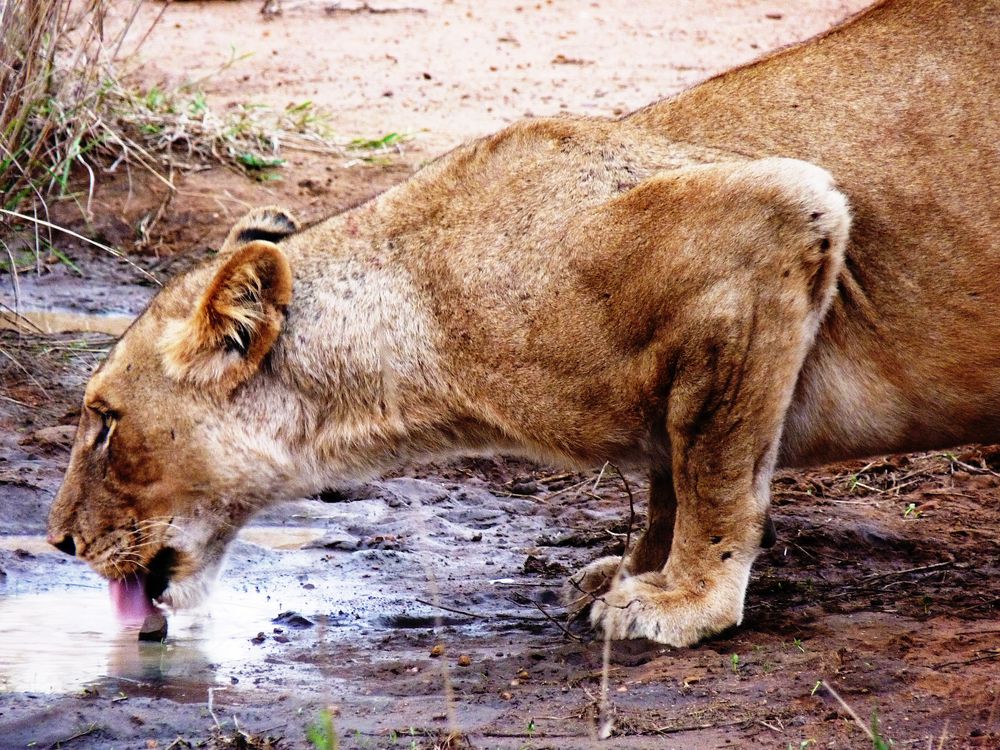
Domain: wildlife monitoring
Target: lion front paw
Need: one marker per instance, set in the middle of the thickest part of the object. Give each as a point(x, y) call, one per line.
point(590, 582)
point(643, 607)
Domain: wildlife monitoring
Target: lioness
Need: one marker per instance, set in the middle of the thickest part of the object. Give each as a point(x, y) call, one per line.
point(792, 262)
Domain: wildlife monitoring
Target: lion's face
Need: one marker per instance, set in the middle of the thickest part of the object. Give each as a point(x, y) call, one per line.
point(151, 489)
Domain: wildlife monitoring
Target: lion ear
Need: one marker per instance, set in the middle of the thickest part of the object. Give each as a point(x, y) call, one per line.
point(234, 323)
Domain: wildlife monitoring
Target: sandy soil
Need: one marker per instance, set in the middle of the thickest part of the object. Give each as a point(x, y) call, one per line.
point(884, 582)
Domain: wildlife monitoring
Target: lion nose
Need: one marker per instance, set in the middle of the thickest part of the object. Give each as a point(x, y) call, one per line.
point(66, 544)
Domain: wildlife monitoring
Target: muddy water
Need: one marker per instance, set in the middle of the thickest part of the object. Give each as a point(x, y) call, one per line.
point(84, 645)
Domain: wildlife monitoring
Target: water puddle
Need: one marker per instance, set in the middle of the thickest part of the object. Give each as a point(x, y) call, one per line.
point(65, 321)
point(63, 638)
point(61, 641)
point(281, 538)
point(58, 633)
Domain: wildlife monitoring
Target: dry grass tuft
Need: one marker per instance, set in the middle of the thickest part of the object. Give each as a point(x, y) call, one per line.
point(67, 108)
point(52, 80)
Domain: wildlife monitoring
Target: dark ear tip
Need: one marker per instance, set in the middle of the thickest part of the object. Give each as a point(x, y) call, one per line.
point(269, 223)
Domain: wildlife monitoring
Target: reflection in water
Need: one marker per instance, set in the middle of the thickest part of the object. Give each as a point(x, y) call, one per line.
point(280, 537)
point(65, 321)
point(61, 641)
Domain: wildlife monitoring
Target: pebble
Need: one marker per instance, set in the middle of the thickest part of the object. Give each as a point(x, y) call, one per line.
point(293, 620)
point(464, 660)
point(154, 628)
point(437, 650)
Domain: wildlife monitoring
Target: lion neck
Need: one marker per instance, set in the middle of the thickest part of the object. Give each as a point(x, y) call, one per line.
point(357, 378)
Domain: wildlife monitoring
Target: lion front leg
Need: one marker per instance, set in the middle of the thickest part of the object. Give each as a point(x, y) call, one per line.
point(725, 414)
point(740, 322)
point(721, 479)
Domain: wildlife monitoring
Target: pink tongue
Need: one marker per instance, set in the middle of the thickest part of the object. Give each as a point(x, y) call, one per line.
point(128, 595)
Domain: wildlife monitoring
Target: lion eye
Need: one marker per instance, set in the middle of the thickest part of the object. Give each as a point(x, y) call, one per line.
point(108, 421)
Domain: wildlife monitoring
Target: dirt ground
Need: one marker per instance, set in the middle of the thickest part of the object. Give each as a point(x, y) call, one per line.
point(883, 587)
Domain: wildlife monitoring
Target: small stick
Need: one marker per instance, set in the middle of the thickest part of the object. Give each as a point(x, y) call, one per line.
point(606, 722)
point(548, 617)
point(963, 662)
point(944, 732)
point(567, 489)
point(935, 566)
point(843, 703)
point(78, 735)
point(103, 247)
point(599, 477)
point(335, 8)
point(555, 477)
point(211, 703)
point(456, 611)
point(449, 693)
point(694, 727)
point(631, 514)
point(478, 615)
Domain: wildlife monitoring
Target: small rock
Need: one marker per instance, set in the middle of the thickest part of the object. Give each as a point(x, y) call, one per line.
point(464, 660)
point(154, 628)
point(523, 674)
point(313, 187)
point(524, 487)
point(562, 59)
point(506, 695)
point(540, 565)
point(258, 639)
point(293, 620)
point(335, 541)
point(281, 638)
point(437, 651)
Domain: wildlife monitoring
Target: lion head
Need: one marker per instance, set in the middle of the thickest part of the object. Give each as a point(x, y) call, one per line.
point(176, 414)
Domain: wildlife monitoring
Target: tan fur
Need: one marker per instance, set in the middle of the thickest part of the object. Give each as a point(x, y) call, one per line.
point(684, 289)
